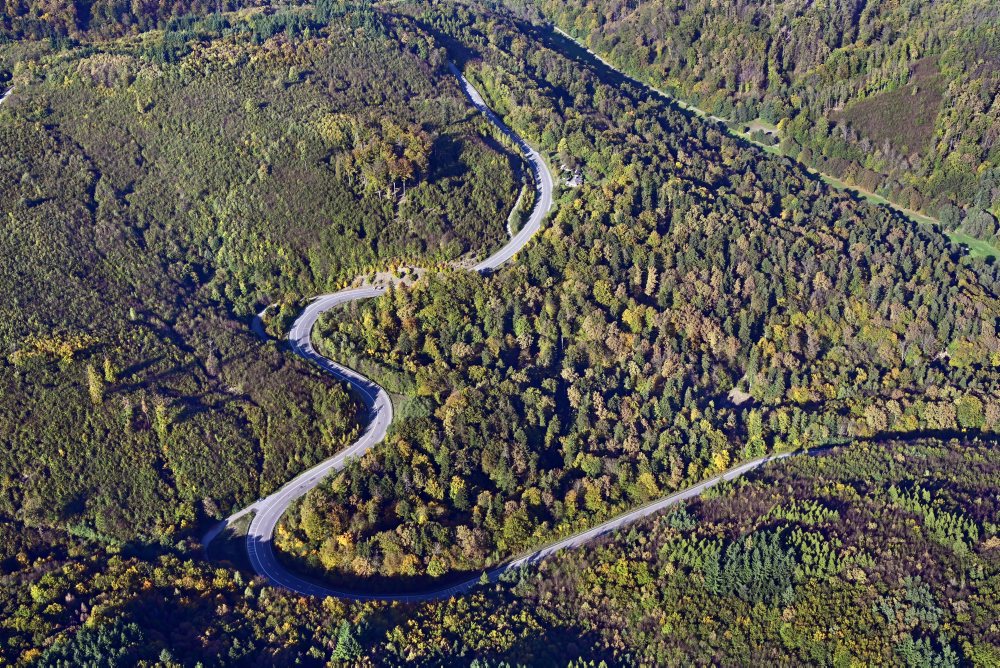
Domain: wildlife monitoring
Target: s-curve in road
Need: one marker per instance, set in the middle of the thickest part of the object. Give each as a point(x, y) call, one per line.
point(268, 511)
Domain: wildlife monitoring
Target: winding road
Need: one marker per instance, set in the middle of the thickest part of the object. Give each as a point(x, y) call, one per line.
point(268, 511)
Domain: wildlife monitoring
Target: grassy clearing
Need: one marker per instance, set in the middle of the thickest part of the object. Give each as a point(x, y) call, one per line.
point(903, 117)
point(761, 124)
point(924, 84)
point(977, 247)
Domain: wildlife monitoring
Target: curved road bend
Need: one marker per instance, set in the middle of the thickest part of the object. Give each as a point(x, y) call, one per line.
point(270, 509)
point(261, 553)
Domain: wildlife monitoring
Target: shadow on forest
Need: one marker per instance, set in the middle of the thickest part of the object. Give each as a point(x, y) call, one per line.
point(445, 153)
point(354, 586)
point(554, 647)
point(173, 372)
point(180, 621)
point(139, 367)
point(359, 586)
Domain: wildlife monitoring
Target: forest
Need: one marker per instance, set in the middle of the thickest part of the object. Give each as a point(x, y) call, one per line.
point(691, 303)
point(881, 554)
point(895, 98)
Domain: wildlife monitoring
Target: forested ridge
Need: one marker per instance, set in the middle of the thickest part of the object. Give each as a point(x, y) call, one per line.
point(898, 98)
point(691, 303)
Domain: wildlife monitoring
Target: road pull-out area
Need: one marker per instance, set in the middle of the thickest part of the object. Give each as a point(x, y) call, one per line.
point(267, 512)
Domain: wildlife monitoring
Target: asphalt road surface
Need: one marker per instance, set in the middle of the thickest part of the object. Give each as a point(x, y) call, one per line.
point(540, 171)
point(262, 556)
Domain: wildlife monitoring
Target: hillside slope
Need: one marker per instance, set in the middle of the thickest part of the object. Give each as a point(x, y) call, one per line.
point(895, 97)
point(597, 372)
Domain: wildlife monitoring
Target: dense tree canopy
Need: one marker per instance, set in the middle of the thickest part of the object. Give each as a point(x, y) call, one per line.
point(691, 303)
point(876, 554)
point(152, 202)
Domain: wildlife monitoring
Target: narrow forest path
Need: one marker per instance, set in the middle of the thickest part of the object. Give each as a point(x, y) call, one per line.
point(269, 510)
